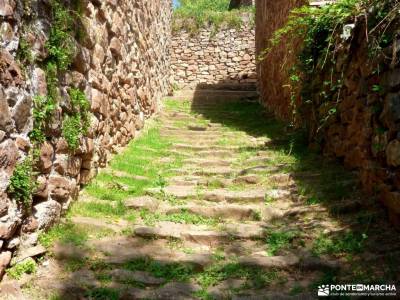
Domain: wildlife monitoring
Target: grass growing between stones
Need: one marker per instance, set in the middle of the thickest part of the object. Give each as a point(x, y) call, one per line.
point(66, 233)
point(140, 165)
point(301, 222)
point(182, 217)
point(320, 180)
point(349, 243)
point(27, 266)
point(279, 240)
point(113, 211)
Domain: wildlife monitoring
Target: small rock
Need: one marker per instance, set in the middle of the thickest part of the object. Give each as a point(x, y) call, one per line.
point(13, 243)
point(393, 153)
point(5, 259)
point(146, 202)
point(176, 291)
point(11, 290)
point(138, 276)
point(249, 179)
point(47, 213)
point(30, 252)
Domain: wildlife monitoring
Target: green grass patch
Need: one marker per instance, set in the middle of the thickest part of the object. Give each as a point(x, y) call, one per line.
point(195, 14)
point(183, 217)
point(255, 278)
point(114, 210)
point(141, 158)
point(28, 266)
point(169, 272)
point(178, 105)
point(103, 293)
point(279, 240)
point(349, 243)
point(66, 233)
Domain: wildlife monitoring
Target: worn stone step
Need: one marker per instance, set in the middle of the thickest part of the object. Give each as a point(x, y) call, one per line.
point(122, 249)
point(171, 290)
point(215, 153)
point(304, 262)
point(208, 133)
point(177, 191)
point(203, 97)
point(122, 275)
point(191, 128)
point(196, 234)
point(191, 147)
point(246, 196)
point(208, 162)
point(224, 211)
point(195, 180)
point(213, 171)
point(87, 222)
point(142, 202)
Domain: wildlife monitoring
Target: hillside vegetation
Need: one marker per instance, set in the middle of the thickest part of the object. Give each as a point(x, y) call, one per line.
point(192, 15)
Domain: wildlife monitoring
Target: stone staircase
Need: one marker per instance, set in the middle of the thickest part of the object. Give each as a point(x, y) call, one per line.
point(214, 213)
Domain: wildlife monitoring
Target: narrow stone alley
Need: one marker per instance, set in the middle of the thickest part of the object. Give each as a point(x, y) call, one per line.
point(215, 200)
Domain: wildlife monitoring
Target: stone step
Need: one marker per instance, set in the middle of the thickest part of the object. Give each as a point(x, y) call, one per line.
point(208, 162)
point(197, 234)
point(213, 171)
point(305, 261)
point(193, 180)
point(100, 224)
point(204, 154)
point(121, 249)
point(200, 97)
point(209, 133)
point(223, 211)
point(190, 147)
point(191, 128)
point(176, 191)
point(245, 196)
point(214, 153)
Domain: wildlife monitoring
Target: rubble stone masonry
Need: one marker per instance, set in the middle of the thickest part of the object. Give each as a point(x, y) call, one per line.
point(121, 64)
point(224, 57)
point(365, 132)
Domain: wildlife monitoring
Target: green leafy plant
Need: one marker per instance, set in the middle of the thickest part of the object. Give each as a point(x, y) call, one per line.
point(22, 183)
point(278, 240)
point(61, 44)
point(42, 112)
point(77, 123)
point(27, 266)
point(24, 53)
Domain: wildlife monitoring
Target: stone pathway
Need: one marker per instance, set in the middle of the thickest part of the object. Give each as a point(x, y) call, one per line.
point(215, 201)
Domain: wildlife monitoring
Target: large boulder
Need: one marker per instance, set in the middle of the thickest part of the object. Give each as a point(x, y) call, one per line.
point(6, 123)
point(47, 213)
point(8, 160)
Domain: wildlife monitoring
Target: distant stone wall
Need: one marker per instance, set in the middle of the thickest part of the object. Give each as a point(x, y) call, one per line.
point(226, 57)
point(121, 64)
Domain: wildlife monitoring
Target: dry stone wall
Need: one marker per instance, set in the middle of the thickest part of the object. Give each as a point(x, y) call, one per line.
point(364, 132)
point(226, 57)
point(121, 63)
